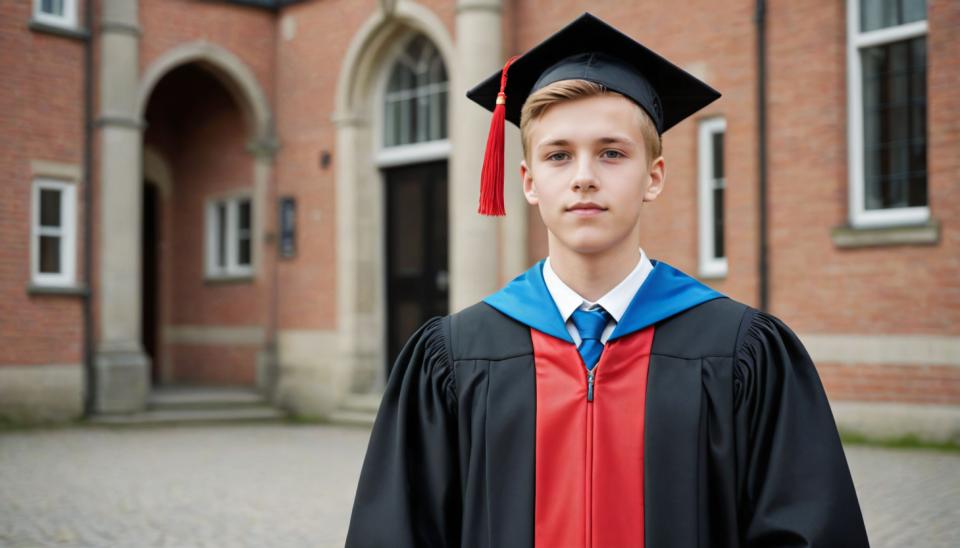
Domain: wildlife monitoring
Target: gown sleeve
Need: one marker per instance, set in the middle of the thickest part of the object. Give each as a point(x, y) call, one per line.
point(795, 486)
point(409, 492)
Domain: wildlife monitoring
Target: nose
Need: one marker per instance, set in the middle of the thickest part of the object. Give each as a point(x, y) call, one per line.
point(585, 178)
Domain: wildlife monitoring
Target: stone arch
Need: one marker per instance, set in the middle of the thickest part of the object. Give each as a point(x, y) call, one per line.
point(360, 247)
point(363, 62)
point(157, 171)
point(241, 84)
point(232, 73)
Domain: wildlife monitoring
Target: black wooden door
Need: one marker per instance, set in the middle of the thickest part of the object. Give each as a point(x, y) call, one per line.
point(416, 240)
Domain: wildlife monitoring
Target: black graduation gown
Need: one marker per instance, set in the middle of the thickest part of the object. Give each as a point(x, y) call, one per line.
point(740, 446)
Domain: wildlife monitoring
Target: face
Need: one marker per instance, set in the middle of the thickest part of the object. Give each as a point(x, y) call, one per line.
point(589, 175)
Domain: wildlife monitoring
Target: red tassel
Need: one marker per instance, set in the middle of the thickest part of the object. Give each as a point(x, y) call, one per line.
point(491, 176)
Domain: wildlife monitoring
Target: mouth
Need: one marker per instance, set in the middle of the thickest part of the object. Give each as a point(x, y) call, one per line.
point(586, 209)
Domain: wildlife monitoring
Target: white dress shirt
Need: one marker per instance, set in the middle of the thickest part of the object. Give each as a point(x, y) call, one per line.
point(615, 302)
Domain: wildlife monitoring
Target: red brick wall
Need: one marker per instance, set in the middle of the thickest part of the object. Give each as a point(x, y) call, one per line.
point(41, 101)
point(224, 365)
point(816, 286)
point(247, 33)
point(900, 383)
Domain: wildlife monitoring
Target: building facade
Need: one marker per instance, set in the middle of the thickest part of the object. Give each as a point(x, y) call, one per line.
point(274, 194)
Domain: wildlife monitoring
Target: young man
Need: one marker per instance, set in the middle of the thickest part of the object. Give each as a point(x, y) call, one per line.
point(602, 399)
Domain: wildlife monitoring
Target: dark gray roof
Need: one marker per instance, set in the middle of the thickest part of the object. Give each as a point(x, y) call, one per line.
point(273, 5)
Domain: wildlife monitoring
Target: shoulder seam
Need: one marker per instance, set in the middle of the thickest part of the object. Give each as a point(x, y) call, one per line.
point(746, 319)
point(446, 328)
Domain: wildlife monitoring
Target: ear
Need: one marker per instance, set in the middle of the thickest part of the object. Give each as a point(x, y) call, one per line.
point(529, 187)
point(657, 176)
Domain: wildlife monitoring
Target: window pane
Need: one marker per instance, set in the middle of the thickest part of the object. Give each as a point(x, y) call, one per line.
point(50, 207)
point(49, 254)
point(221, 235)
point(718, 250)
point(718, 155)
point(389, 123)
point(243, 252)
point(243, 217)
point(415, 102)
point(879, 14)
point(442, 115)
point(243, 232)
point(895, 125)
point(52, 7)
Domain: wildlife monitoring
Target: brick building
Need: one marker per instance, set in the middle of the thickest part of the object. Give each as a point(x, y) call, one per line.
point(274, 193)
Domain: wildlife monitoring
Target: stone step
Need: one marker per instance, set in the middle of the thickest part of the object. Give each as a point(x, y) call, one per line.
point(357, 410)
point(180, 416)
point(352, 418)
point(364, 403)
point(198, 397)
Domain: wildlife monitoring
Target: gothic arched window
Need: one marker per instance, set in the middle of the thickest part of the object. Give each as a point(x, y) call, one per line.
point(415, 104)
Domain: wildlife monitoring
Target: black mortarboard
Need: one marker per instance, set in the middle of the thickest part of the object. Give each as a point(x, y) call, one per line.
point(587, 49)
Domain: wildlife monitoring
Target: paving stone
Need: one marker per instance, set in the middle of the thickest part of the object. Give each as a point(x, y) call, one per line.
point(285, 485)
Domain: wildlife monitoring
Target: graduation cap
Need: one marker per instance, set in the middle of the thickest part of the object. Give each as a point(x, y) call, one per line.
point(587, 49)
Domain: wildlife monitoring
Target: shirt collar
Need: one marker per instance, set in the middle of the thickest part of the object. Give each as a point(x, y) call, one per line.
point(615, 301)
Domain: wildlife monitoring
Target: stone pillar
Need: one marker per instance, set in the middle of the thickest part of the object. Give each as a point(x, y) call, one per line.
point(122, 367)
point(360, 259)
point(513, 231)
point(264, 149)
point(474, 253)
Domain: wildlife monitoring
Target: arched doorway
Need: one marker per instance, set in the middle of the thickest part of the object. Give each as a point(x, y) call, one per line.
point(202, 317)
point(363, 310)
point(413, 162)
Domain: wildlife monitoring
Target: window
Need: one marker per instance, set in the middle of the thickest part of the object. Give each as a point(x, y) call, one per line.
point(711, 184)
point(887, 89)
point(56, 12)
point(53, 233)
point(415, 103)
point(229, 237)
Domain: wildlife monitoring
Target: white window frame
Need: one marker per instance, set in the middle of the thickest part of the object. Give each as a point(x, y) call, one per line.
point(232, 268)
point(67, 234)
point(859, 216)
point(710, 266)
point(68, 19)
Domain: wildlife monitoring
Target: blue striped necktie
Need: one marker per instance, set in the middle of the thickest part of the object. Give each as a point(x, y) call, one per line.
point(590, 324)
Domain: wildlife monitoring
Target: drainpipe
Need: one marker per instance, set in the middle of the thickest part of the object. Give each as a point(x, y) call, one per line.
point(89, 370)
point(763, 274)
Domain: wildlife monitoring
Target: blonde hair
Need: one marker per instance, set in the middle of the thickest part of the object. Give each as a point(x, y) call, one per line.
point(568, 90)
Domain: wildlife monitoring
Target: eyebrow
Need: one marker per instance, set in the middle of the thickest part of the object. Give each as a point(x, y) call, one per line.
point(602, 140)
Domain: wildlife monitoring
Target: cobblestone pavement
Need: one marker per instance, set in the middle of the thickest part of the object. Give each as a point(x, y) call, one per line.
point(279, 485)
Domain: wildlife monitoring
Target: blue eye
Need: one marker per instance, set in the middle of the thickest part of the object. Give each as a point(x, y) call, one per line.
point(617, 153)
point(555, 156)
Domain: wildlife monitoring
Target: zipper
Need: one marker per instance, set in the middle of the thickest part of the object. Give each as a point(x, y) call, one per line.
point(591, 383)
point(588, 541)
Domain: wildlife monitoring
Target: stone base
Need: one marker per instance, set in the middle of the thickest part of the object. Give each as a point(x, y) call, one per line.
point(891, 421)
point(123, 381)
point(267, 369)
point(31, 394)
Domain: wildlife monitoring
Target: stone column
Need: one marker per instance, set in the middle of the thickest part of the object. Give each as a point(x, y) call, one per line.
point(263, 149)
point(513, 231)
point(474, 253)
point(122, 367)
